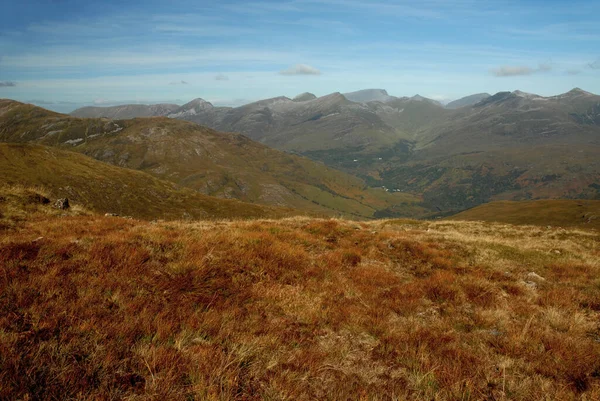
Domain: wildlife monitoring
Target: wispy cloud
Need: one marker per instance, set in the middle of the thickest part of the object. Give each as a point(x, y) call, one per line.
point(154, 57)
point(573, 72)
point(221, 77)
point(5, 84)
point(260, 7)
point(179, 83)
point(301, 69)
point(513, 71)
point(595, 65)
point(580, 31)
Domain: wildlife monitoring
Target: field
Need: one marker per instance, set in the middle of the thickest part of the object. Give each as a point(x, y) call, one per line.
point(96, 307)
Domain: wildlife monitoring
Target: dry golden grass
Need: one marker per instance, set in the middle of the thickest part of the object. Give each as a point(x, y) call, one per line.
point(297, 309)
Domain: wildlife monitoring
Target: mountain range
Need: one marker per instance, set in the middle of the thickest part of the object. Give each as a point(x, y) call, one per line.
point(376, 155)
point(508, 146)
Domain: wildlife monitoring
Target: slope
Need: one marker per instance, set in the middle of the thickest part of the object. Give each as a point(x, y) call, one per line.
point(467, 101)
point(559, 213)
point(511, 146)
point(104, 188)
point(125, 111)
point(214, 163)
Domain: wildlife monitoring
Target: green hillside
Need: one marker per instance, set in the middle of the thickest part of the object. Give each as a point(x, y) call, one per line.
point(104, 188)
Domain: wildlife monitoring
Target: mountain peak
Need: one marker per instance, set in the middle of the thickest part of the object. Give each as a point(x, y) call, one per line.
point(197, 103)
point(525, 95)
point(368, 95)
point(303, 97)
point(192, 108)
point(578, 92)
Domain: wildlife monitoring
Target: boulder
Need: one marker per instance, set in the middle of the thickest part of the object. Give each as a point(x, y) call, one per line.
point(62, 204)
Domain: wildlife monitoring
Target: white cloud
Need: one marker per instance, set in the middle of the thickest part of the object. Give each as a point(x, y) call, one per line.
point(512, 71)
point(300, 69)
point(221, 77)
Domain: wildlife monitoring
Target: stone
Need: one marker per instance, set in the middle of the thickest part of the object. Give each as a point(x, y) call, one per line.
point(62, 204)
point(532, 276)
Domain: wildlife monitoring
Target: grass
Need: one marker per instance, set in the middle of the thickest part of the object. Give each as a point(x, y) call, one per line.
point(560, 213)
point(104, 188)
point(297, 309)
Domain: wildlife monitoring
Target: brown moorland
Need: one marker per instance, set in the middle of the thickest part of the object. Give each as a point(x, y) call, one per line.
point(297, 309)
point(551, 212)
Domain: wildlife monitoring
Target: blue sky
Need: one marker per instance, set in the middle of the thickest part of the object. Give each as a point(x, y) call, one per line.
point(62, 54)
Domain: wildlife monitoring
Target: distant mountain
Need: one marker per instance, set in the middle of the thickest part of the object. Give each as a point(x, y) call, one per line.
point(125, 111)
point(323, 124)
point(368, 95)
point(512, 145)
point(210, 162)
point(467, 101)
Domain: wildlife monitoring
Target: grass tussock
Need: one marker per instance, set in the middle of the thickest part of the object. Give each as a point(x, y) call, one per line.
point(297, 309)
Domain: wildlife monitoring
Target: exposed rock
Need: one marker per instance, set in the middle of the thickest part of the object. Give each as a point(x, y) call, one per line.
point(532, 276)
point(530, 284)
point(110, 215)
point(62, 204)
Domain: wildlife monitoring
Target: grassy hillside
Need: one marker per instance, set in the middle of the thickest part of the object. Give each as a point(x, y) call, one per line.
point(104, 188)
point(298, 309)
point(561, 213)
point(214, 163)
point(509, 146)
point(125, 111)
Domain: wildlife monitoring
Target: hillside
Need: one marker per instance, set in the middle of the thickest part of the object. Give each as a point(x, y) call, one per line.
point(104, 188)
point(214, 163)
point(467, 101)
point(125, 111)
point(558, 213)
point(298, 309)
point(509, 146)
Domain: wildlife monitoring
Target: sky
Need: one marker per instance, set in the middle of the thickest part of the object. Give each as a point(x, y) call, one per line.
point(63, 54)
